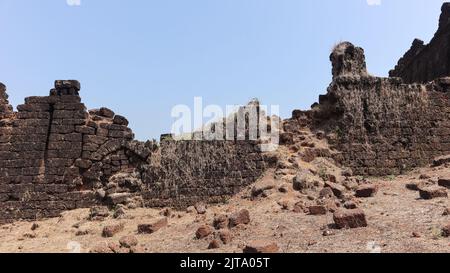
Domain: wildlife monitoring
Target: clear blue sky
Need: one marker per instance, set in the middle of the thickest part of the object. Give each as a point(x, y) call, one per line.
point(142, 57)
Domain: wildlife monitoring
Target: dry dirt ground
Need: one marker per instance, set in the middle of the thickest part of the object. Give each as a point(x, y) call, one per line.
point(394, 215)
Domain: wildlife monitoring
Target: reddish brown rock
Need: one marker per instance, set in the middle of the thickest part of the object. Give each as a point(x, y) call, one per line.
point(350, 205)
point(200, 208)
point(153, 227)
point(433, 192)
point(225, 236)
point(214, 244)
point(317, 210)
point(338, 190)
point(128, 241)
point(354, 218)
point(326, 193)
point(446, 212)
point(203, 232)
point(110, 231)
point(240, 218)
point(221, 221)
point(102, 248)
point(261, 246)
point(446, 230)
point(365, 191)
point(444, 183)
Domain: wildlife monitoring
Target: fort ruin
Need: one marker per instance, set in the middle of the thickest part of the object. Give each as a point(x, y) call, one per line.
point(55, 155)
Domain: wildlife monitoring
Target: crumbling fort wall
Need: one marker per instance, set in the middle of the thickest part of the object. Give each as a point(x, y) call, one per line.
point(56, 156)
point(382, 126)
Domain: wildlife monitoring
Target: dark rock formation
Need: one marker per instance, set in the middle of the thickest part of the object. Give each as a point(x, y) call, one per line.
point(423, 63)
point(348, 60)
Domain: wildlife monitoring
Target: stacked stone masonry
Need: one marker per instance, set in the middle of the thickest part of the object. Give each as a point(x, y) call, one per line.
point(56, 156)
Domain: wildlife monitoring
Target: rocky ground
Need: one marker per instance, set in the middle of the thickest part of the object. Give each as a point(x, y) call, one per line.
point(304, 203)
point(269, 216)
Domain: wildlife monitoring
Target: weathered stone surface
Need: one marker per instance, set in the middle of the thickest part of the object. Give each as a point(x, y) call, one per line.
point(203, 231)
point(261, 246)
point(303, 181)
point(338, 190)
point(110, 231)
point(444, 182)
point(432, 192)
point(318, 210)
point(239, 218)
point(348, 60)
point(354, 218)
point(98, 213)
point(365, 191)
point(128, 241)
point(225, 236)
point(221, 221)
point(446, 231)
point(153, 227)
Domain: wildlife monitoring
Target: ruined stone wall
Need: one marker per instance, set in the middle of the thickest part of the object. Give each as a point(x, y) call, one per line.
point(56, 156)
point(207, 171)
point(423, 63)
point(382, 126)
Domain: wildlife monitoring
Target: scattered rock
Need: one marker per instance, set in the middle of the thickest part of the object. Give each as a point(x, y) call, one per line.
point(303, 181)
point(317, 210)
point(115, 247)
point(190, 209)
point(214, 244)
point(153, 227)
point(414, 186)
point(416, 234)
point(98, 213)
point(225, 236)
point(446, 212)
point(433, 192)
point(128, 241)
point(350, 205)
point(261, 246)
point(203, 232)
point(441, 161)
point(365, 191)
point(200, 208)
point(354, 218)
point(221, 221)
point(110, 231)
point(239, 218)
point(34, 226)
point(444, 183)
point(82, 232)
point(424, 176)
point(259, 190)
point(136, 250)
point(446, 231)
point(338, 190)
point(167, 212)
point(326, 193)
point(299, 207)
point(283, 189)
point(284, 204)
point(328, 232)
point(102, 248)
point(120, 213)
